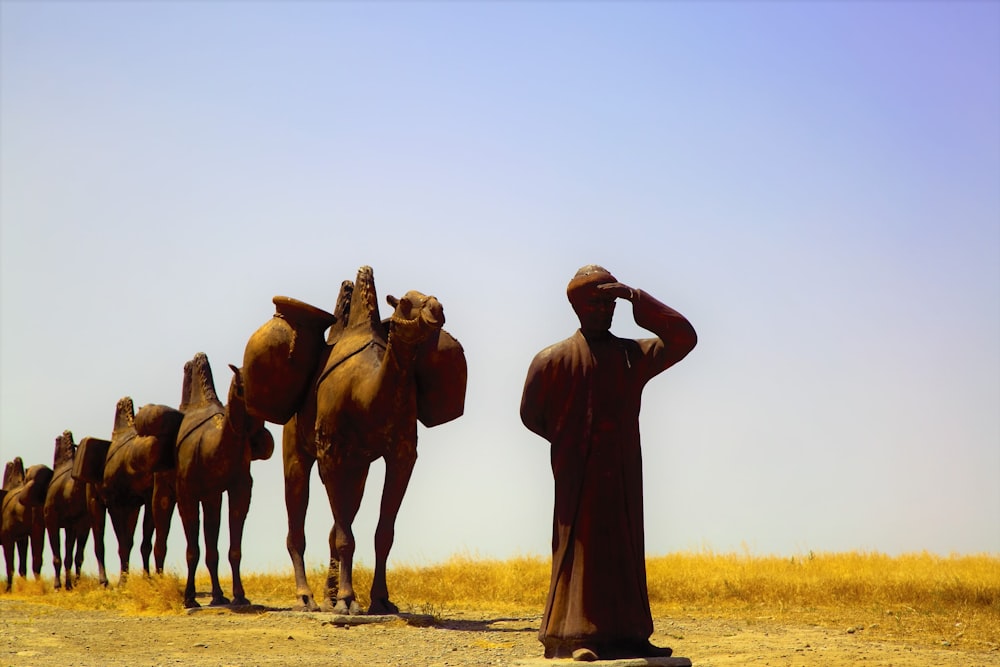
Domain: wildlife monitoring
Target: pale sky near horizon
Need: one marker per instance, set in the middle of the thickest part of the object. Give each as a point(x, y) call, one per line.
point(815, 185)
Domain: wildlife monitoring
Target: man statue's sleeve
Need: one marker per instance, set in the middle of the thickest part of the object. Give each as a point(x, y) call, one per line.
point(534, 396)
point(675, 337)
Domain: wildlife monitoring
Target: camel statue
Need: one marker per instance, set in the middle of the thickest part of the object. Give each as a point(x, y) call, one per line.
point(372, 386)
point(13, 477)
point(66, 508)
point(215, 445)
point(21, 518)
point(135, 473)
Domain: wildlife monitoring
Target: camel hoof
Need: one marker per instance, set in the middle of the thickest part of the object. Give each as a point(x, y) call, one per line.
point(382, 607)
point(219, 601)
point(191, 604)
point(240, 602)
point(344, 607)
point(584, 655)
point(308, 604)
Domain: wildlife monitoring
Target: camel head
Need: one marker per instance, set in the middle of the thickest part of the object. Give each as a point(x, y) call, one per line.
point(245, 424)
point(65, 449)
point(236, 401)
point(415, 317)
point(13, 474)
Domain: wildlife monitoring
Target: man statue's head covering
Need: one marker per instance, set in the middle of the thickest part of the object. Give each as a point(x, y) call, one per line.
point(586, 280)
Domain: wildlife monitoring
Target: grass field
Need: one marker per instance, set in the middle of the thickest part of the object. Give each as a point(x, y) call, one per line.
point(918, 597)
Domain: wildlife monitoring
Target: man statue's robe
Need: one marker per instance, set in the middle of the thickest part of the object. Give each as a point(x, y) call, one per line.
point(583, 396)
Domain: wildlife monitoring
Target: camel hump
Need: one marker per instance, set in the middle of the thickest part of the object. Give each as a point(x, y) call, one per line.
point(124, 415)
point(185, 387)
point(13, 473)
point(65, 449)
point(341, 311)
point(199, 385)
point(364, 301)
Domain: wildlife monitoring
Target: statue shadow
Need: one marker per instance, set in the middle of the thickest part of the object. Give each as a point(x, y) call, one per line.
point(502, 624)
point(235, 609)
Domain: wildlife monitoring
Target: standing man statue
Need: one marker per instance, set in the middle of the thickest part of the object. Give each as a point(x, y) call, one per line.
point(583, 396)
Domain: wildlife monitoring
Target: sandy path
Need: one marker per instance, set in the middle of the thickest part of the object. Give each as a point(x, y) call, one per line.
point(33, 634)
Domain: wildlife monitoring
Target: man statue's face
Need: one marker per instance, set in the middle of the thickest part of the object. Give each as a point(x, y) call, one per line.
point(595, 310)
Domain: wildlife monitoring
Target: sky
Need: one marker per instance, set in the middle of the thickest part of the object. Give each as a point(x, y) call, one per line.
point(816, 186)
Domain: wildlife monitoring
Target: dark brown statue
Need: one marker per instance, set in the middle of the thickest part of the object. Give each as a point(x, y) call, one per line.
point(134, 471)
point(66, 509)
point(583, 396)
point(372, 382)
point(21, 517)
point(215, 445)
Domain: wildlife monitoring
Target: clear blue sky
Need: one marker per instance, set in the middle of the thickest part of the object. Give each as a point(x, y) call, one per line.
point(815, 185)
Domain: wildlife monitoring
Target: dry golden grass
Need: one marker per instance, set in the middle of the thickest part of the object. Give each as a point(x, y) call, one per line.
point(918, 597)
point(138, 595)
point(921, 596)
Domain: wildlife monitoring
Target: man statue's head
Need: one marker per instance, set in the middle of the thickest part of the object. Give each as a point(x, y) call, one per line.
point(593, 307)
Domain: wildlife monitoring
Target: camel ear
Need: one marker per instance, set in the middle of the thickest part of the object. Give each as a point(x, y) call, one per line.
point(235, 370)
point(404, 305)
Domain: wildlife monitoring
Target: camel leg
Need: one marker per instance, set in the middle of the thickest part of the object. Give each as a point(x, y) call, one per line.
point(98, 518)
point(123, 520)
point(70, 534)
point(188, 509)
point(146, 545)
point(71, 540)
point(333, 569)
point(397, 477)
point(37, 547)
point(8, 556)
point(22, 554)
point(298, 465)
point(345, 488)
point(82, 533)
point(213, 521)
point(164, 501)
point(239, 507)
point(56, 548)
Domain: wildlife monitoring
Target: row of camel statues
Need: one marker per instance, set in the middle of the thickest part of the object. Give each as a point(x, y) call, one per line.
point(345, 399)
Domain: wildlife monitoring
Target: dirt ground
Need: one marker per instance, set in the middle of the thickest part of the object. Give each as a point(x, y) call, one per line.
point(34, 634)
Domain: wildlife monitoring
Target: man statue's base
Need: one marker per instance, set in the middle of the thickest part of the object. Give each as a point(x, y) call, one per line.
point(672, 661)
